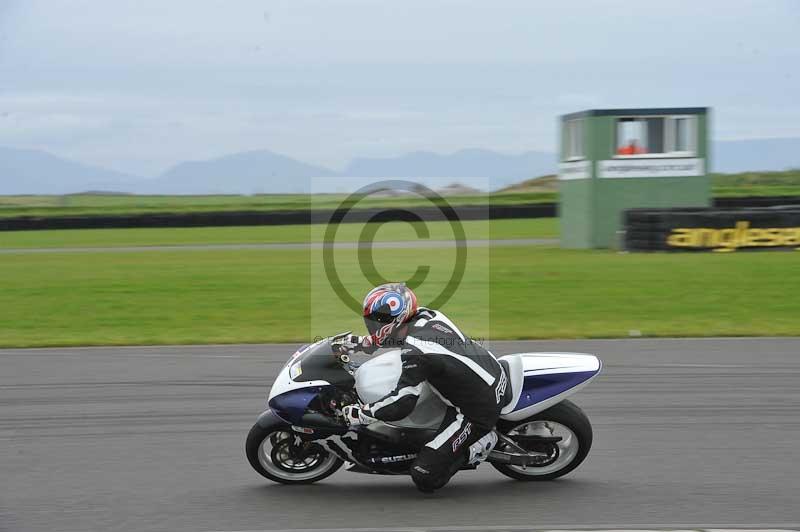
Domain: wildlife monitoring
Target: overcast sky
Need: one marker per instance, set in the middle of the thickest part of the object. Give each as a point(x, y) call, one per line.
point(140, 85)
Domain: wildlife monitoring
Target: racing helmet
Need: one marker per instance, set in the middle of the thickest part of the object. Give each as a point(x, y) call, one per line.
point(386, 308)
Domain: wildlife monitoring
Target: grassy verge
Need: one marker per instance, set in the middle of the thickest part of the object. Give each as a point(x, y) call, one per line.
point(394, 231)
point(757, 190)
point(265, 296)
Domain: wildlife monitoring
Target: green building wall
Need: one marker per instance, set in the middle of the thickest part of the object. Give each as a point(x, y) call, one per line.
point(591, 208)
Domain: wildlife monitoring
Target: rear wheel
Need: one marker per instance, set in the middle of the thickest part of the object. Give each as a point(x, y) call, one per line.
point(278, 454)
point(565, 421)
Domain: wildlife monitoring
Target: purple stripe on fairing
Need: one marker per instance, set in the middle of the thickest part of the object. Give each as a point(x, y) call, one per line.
point(293, 404)
point(538, 388)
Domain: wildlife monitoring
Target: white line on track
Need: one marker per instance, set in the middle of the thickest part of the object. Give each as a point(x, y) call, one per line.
point(771, 527)
point(694, 365)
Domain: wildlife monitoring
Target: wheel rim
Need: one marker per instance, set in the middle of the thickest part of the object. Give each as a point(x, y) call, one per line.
point(276, 456)
point(568, 446)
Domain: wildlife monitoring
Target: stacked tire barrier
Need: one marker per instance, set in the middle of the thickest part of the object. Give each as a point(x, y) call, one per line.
point(719, 230)
point(296, 217)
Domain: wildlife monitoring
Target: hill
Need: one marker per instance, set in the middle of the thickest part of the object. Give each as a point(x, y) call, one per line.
point(481, 165)
point(249, 172)
point(263, 171)
point(39, 172)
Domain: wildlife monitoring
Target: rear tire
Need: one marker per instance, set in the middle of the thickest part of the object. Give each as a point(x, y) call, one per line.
point(565, 419)
point(269, 452)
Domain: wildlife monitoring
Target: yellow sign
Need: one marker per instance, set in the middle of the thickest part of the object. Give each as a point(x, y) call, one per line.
point(731, 239)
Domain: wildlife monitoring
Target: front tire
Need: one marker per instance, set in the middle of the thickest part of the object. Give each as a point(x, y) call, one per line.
point(275, 453)
point(566, 420)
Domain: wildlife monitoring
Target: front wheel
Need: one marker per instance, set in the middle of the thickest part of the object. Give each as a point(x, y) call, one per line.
point(565, 421)
point(279, 455)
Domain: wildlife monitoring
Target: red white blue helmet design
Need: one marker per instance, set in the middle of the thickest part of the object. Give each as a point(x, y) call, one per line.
point(386, 308)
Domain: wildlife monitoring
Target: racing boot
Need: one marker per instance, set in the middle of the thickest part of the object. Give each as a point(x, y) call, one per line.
point(479, 451)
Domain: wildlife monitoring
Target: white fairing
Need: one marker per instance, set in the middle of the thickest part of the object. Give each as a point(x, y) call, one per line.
point(377, 377)
point(547, 363)
point(516, 379)
point(563, 374)
point(538, 381)
point(284, 381)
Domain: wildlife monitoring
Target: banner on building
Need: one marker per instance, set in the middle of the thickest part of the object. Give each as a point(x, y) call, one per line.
point(575, 170)
point(636, 167)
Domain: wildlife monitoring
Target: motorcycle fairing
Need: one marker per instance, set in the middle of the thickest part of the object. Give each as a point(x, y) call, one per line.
point(538, 381)
point(342, 445)
point(312, 367)
point(547, 378)
point(312, 372)
point(393, 455)
point(292, 404)
point(284, 382)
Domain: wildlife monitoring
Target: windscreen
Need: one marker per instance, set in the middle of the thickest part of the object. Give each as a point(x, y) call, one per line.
point(317, 362)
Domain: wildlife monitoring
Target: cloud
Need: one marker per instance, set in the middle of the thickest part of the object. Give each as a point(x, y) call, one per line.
point(138, 86)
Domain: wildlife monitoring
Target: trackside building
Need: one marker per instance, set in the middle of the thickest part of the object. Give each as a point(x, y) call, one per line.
point(612, 160)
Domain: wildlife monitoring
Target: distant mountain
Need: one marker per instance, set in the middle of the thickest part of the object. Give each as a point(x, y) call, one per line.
point(732, 156)
point(39, 172)
point(500, 169)
point(240, 173)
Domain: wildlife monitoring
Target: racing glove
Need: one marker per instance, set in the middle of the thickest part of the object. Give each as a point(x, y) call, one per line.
point(346, 343)
point(355, 415)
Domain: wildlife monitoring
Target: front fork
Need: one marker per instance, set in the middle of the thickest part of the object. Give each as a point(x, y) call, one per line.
point(340, 445)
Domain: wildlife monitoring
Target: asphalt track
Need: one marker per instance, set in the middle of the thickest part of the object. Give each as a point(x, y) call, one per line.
point(688, 434)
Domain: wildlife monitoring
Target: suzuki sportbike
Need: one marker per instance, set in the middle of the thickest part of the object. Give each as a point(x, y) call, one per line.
point(302, 436)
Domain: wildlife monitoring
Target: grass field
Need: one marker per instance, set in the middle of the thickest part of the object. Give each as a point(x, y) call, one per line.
point(786, 183)
point(398, 231)
point(264, 295)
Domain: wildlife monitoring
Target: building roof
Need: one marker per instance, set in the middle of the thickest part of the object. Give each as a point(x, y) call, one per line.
point(654, 111)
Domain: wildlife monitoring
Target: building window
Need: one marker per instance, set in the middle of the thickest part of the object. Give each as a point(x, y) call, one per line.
point(656, 136)
point(683, 134)
point(631, 136)
point(574, 140)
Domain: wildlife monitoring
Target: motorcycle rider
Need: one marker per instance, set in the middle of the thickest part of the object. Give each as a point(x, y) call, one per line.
point(461, 372)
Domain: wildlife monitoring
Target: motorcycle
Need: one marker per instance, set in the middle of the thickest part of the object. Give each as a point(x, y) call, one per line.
point(302, 437)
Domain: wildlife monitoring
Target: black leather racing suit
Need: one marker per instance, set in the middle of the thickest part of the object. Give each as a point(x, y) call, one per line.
point(465, 375)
